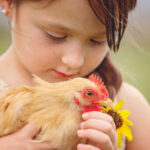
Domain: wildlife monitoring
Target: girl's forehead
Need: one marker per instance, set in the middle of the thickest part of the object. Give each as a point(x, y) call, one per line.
point(75, 15)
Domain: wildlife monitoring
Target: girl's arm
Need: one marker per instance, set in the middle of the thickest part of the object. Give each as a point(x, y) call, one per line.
point(140, 116)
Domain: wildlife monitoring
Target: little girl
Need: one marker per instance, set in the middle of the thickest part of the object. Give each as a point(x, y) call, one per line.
point(63, 39)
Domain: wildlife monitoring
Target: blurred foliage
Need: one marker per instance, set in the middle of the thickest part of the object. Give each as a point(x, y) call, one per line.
point(134, 64)
point(4, 40)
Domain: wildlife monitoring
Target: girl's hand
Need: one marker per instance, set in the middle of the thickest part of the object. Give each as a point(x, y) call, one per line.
point(23, 140)
point(100, 131)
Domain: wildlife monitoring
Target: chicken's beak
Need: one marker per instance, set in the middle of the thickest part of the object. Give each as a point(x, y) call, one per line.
point(107, 103)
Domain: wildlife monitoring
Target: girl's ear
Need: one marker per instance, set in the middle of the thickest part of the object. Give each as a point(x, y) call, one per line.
point(7, 8)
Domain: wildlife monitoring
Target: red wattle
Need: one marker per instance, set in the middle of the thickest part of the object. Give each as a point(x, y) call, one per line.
point(94, 107)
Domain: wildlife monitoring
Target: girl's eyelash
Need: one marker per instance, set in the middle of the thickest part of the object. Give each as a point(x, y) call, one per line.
point(97, 42)
point(64, 37)
point(56, 38)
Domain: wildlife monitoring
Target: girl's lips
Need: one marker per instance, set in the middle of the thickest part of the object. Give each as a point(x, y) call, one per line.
point(60, 74)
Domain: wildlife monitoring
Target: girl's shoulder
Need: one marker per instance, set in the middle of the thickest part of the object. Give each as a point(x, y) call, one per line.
point(139, 115)
point(131, 95)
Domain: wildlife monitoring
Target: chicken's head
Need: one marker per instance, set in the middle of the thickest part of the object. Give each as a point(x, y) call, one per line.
point(92, 94)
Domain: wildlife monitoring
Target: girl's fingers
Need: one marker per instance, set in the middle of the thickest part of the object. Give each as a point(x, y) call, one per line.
point(29, 130)
point(87, 147)
point(101, 139)
point(101, 126)
point(42, 146)
point(100, 116)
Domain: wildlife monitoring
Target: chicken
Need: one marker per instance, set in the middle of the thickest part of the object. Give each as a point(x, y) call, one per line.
point(55, 108)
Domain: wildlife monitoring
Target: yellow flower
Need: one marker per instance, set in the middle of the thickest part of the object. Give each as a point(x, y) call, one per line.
point(121, 121)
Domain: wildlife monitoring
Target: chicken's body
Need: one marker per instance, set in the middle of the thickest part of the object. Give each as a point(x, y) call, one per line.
point(50, 106)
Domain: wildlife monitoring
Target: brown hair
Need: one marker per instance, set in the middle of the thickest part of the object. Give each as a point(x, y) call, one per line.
point(114, 14)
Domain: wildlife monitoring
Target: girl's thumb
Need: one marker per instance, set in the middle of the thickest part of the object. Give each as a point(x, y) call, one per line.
point(30, 130)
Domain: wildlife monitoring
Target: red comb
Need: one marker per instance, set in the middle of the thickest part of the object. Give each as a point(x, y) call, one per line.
point(98, 81)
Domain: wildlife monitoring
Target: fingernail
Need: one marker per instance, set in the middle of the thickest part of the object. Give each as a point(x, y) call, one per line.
point(80, 132)
point(79, 146)
point(85, 115)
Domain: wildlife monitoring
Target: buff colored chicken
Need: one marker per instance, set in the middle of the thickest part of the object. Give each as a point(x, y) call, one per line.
point(55, 108)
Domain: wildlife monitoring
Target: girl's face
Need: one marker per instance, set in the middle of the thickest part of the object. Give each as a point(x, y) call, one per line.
point(60, 41)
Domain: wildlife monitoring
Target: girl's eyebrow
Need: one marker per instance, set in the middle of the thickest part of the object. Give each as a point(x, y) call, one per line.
point(59, 26)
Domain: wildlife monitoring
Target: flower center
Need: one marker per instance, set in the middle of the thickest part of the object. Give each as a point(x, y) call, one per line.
point(116, 117)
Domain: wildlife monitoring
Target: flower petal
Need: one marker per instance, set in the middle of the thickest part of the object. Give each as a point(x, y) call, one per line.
point(127, 132)
point(125, 113)
point(128, 122)
point(120, 136)
point(119, 105)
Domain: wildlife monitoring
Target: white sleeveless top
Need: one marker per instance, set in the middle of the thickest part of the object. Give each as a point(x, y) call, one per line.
point(4, 86)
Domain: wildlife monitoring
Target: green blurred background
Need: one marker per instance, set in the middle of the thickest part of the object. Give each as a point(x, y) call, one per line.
point(133, 57)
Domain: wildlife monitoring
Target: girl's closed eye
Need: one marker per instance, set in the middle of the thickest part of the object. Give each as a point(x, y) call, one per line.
point(56, 36)
point(62, 37)
point(95, 42)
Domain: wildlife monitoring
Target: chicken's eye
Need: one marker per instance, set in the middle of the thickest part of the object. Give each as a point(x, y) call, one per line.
point(89, 93)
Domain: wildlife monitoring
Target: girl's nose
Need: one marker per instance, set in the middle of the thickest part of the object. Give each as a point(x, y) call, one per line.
point(73, 58)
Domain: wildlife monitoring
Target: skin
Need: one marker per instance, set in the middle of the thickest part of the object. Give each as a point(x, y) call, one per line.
point(23, 140)
point(32, 52)
point(71, 56)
